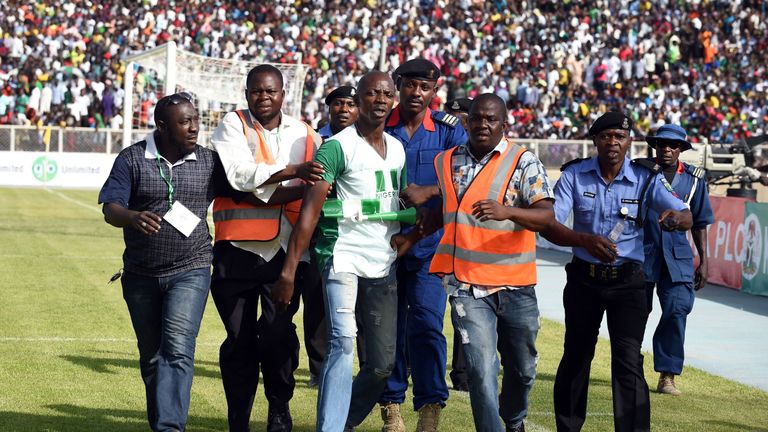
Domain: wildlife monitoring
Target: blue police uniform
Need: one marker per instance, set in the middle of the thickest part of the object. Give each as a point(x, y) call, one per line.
point(671, 271)
point(422, 299)
point(618, 289)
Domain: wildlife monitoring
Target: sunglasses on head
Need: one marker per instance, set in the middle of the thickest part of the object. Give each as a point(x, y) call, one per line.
point(178, 98)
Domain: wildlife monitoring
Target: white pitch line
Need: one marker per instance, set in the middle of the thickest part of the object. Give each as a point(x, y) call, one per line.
point(74, 201)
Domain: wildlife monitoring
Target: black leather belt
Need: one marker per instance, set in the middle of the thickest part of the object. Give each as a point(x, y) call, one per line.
point(603, 272)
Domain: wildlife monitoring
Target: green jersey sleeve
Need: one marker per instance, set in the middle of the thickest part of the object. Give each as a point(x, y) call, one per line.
point(331, 157)
point(404, 177)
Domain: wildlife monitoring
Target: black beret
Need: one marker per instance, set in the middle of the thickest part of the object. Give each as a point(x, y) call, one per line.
point(340, 92)
point(418, 68)
point(611, 120)
point(460, 105)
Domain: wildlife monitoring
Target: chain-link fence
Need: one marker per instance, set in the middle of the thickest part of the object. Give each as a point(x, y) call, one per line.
point(552, 153)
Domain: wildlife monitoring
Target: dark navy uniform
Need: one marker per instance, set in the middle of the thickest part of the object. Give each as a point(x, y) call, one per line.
point(671, 271)
point(422, 299)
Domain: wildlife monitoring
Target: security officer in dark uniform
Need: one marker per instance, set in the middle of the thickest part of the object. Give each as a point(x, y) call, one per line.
point(460, 109)
point(424, 133)
point(609, 197)
point(671, 271)
point(342, 108)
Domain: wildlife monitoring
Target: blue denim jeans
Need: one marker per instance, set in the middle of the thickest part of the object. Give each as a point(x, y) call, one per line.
point(341, 401)
point(166, 314)
point(508, 320)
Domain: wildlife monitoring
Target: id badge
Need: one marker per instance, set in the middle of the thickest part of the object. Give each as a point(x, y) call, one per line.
point(181, 218)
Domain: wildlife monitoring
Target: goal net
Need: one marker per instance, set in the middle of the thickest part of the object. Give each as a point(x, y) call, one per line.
point(217, 86)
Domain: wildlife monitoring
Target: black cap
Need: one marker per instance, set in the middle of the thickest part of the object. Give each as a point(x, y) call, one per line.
point(611, 120)
point(418, 68)
point(460, 105)
point(340, 92)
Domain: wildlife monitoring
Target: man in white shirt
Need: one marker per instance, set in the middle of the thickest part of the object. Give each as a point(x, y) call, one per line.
point(268, 152)
point(366, 166)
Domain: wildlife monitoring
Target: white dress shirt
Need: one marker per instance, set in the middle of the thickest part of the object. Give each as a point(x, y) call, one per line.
point(287, 143)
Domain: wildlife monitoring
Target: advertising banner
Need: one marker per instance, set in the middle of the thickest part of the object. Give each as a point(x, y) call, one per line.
point(72, 170)
point(754, 266)
point(725, 241)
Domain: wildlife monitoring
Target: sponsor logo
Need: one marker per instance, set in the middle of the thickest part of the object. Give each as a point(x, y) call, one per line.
point(752, 247)
point(44, 169)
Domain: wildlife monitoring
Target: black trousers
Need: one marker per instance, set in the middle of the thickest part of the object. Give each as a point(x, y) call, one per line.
point(585, 300)
point(267, 343)
point(315, 333)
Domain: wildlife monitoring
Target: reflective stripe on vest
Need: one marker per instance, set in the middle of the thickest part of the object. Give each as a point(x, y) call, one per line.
point(491, 253)
point(233, 221)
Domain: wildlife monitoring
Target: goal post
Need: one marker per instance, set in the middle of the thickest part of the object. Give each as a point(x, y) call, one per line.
point(217, 86)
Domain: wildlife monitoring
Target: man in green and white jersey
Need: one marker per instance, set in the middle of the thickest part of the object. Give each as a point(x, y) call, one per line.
point(367, 168)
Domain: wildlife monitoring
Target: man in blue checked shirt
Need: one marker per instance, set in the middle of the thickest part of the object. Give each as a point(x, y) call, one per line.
point(610, 198)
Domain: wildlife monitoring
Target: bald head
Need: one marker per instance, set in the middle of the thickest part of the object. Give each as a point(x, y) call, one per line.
point(375, 97)
point(490, 101)
point(372, 77)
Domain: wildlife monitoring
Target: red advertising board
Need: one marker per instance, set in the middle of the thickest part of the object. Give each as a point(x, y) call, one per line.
point(725, 241)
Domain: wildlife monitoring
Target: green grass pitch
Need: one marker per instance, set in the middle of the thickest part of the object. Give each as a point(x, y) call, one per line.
point(68, 358)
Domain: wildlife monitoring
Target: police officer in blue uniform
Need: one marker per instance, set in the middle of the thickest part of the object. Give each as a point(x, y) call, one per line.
point(424, 133)
point(609, 197)
point(671, 271)
point(342, 109)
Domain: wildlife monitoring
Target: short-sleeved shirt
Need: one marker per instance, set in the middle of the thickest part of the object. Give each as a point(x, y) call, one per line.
point(431, 137)
point(358, 172)
point(528, 185)
point(596, 204)
point(669, 251)
point(135, 183)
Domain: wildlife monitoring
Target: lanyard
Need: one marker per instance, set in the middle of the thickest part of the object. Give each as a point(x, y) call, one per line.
point(167, 180)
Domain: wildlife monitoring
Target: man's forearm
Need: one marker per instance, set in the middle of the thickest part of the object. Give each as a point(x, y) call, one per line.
point(287, 173)
point(561, 235)
point(282, 195)
point(532, 219)
point(117, 215)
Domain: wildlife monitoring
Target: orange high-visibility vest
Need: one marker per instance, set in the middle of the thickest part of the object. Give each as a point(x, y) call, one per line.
point(490, 253)
point(243, 221)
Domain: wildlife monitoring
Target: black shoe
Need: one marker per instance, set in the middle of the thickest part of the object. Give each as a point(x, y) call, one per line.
point(519, 428)
point(279, 419)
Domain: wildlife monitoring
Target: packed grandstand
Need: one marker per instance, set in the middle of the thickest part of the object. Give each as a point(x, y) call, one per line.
point(558, 64)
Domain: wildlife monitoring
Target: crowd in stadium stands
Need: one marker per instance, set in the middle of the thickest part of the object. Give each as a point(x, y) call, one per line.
point(558, 64)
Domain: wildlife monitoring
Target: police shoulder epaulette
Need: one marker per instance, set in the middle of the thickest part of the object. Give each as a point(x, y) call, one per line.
point(695, 171)
point(648, 164)
point(445, 118)
point(571, 162)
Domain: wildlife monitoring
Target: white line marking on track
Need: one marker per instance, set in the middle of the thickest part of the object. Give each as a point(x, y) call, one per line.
point(74, 201)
